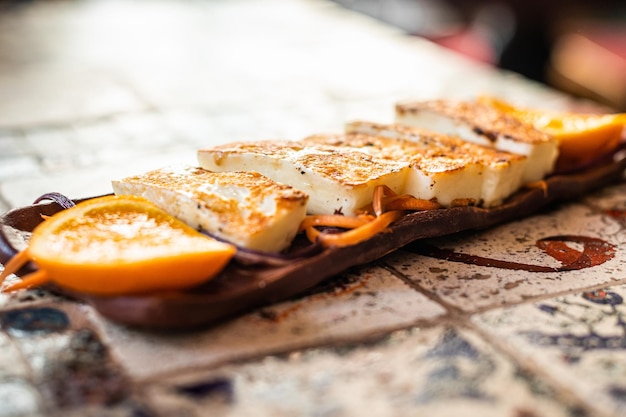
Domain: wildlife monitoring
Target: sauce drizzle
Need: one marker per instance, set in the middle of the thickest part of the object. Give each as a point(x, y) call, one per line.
point(595, 252)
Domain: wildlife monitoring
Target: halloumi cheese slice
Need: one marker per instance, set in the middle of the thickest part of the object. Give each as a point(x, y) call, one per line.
point(337, 181)
point(450, 179)
point(243, 208)
point(484, 125)
point(499, 174)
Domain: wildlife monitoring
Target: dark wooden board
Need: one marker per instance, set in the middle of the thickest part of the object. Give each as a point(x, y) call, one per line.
point(240, 288)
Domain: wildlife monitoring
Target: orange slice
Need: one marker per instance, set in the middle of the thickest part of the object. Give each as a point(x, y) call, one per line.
point(582, 137)
point(118, 245)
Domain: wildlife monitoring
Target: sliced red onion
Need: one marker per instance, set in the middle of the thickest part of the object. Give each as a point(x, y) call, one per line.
point(58, 198)
point(250, 257)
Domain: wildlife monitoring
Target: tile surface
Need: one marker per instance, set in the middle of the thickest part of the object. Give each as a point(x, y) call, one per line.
point(350, 308)
point(97, 90)
point(522, 246)
point(578, 340)
point(437, 371)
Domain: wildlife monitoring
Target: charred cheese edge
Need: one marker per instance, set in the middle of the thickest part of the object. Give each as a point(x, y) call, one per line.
point(337, 180)
point(444, 168)
point(485, 125)
point(244, 208)
point(431, 176)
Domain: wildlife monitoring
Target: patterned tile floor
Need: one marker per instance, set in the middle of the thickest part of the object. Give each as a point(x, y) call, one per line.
point(95, 90)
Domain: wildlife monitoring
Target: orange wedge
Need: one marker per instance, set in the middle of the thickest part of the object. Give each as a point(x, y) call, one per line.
point(119, 245)
point(582, 137)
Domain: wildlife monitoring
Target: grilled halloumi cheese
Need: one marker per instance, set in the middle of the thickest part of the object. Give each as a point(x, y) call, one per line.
point(244, 208)
point(484, 125)
point(489, 176)
point(433, 174)
point(337, 181)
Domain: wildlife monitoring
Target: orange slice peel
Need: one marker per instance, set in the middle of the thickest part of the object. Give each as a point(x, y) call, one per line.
point(582, 137)
point(118, 245)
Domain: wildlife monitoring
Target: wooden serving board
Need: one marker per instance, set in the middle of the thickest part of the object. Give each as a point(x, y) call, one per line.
point(240, 288)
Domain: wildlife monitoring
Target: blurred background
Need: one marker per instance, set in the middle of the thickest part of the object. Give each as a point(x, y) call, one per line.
point(578, 46)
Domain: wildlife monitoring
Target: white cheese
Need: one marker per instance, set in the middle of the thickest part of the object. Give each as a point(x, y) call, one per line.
point(435, 176)
point(459, 169)
point(484, 125)
point(337, 181)
point(244, 208)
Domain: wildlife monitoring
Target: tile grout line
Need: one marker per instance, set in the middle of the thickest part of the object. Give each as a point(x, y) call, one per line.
point(325, 344)
point(562, 391)
point(43, 402)
point(462, 319)
point(535, 299)
point(452, 311)
point(456, 310)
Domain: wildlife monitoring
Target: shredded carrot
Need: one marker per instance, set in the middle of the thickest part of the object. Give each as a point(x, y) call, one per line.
point(312, 233)
point(364, 232)
point(335, 220)
point(15, 263)
point(539, 184)
point(31, 280)
point(387, 207)
point(386, 199)
point(407, 202)
point(378, 200)
point(332, 220)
